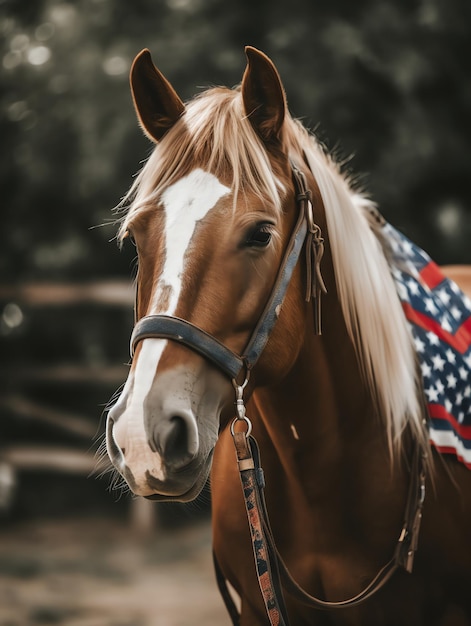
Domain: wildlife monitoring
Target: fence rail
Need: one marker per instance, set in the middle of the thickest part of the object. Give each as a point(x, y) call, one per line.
point(117, 293)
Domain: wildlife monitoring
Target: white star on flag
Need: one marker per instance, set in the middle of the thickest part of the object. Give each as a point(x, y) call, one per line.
point(433, 339)
point(432, 394)
point(419, 344)
point(430, 306)
point(426, 369)
point(451, 381)
point(450, 356)
point(402, 292)
point(438, 362)
point(413, 287)
point(455, 312)
point(444, 296)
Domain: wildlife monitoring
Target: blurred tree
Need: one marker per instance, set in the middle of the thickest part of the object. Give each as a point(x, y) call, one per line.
point(386, 81)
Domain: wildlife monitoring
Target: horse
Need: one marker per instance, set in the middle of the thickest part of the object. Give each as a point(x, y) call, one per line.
point(247, 232)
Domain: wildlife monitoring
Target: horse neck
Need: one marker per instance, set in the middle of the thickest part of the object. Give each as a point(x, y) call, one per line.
point(323, 421)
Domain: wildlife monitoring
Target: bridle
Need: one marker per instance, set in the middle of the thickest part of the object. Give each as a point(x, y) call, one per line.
point(273, 575)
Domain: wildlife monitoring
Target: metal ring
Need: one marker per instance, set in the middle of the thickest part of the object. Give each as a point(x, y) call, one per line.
point(242, 419)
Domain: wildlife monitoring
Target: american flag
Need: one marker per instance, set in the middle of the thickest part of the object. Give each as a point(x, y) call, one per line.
point(439, 315)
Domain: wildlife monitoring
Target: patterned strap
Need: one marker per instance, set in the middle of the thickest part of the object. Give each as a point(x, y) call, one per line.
point(251, 476)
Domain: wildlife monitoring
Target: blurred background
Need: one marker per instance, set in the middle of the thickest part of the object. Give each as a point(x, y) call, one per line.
point(385, 84)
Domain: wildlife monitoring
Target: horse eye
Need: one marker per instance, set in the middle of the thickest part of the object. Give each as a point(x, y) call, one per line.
point(260, 236)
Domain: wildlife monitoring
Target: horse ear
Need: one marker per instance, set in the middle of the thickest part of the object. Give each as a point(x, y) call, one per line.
point(157, 104)
point(263, 95)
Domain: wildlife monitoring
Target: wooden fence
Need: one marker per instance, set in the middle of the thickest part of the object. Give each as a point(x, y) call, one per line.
point(34, 455)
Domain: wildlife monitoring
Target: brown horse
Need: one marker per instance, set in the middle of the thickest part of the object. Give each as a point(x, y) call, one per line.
point(337, 415)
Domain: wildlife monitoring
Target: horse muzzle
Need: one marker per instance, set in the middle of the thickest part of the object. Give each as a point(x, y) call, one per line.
point(169, 466)
point(161, 439)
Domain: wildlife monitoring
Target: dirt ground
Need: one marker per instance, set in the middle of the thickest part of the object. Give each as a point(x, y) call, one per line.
point(96, 573)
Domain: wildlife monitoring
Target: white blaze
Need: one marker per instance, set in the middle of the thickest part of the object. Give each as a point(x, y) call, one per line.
point(185, 203)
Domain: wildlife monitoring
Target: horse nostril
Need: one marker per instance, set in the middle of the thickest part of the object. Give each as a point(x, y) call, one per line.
point(115, 452)
point(176, 439)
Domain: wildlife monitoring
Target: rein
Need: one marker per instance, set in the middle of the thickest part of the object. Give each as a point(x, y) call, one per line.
point(272, 573)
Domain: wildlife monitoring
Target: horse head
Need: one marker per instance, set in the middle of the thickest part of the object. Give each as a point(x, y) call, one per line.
point(211, 215)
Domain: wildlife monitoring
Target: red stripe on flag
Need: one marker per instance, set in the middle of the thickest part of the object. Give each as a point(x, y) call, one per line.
point(450, 450)
point(460, 341)
point(431, 275)
point(437, 411)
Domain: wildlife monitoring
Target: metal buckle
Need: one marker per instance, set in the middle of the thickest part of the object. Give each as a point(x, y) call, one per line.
point(240, 406)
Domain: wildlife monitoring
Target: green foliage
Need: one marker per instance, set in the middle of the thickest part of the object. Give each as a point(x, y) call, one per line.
point(386, 81)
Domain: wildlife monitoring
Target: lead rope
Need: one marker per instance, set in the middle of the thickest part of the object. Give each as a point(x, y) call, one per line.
point(269, 564)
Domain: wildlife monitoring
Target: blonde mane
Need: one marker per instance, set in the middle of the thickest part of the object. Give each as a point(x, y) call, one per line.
point(372, 310)
point(214, 130)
